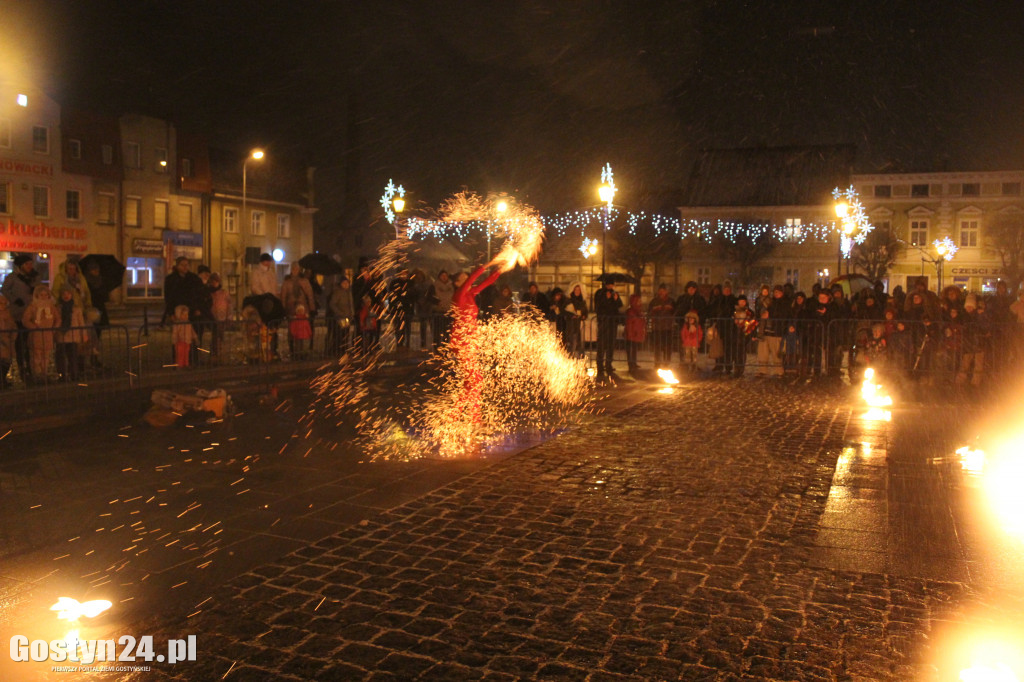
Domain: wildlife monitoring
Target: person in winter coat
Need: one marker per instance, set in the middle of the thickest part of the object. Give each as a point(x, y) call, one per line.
point(300, 330)
point(636, 331)
point(40, 319)
point(724, 315)
point(503, 303)
point(560, 312)
point(17, 289)
point(662, 315)
point(577, 309)
point(607, 305)
point(538, 300)
point(369, 329)
point(69, 275)
point(8, 335)
point(344, 314)
point(71, 335)
point(441, 293)
point(690, 335)
point(689, 300)
point(745, 327)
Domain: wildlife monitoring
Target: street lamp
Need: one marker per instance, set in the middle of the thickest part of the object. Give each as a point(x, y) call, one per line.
point(853, 223)
point(393, 202)
point(945, 249)
point(607, 194)
point(254, 155)
point(842, 211)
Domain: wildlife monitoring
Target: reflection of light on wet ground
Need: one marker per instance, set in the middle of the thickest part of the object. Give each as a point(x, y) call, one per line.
point(666, 390)
point(877, 414)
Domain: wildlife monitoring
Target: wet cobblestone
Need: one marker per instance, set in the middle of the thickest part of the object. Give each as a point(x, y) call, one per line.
point(674, 540)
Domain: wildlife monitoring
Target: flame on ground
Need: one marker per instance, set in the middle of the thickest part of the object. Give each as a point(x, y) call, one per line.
point(71, 609)
point(667, 376)
point(872, 392)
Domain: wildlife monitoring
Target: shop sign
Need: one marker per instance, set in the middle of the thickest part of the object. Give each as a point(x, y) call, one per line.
point(26, 167)
point(42, 237)
point(981, 272)
point(187, 244)
point(147, 247)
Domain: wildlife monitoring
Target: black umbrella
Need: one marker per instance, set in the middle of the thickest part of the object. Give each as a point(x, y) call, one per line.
point(320, 264)
point(268, 306)
point(615, 278)
point(111, 270)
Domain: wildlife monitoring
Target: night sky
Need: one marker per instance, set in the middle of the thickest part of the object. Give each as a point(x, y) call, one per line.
point(534, 97)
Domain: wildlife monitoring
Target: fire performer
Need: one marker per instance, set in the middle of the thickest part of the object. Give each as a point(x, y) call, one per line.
point(464, 332)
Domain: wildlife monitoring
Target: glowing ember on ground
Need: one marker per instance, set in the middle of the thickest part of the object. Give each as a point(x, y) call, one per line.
point(667, 376)
point(70, 609)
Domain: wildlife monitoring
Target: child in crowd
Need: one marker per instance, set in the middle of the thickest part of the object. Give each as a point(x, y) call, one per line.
point(691, 334)
point(8, 333)
point(300, 331)
point(368, 324)
point(790, 350)
point(220, 308)
point(183, 336)
point(41, 318)
point(71, 335)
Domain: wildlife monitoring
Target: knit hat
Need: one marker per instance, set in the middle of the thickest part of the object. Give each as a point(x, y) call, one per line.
point(21, 259)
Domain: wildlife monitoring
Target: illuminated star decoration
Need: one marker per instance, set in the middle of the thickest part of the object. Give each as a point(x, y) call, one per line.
point(946, 248)
point(854, 226)
point(586, 245)
point(389, 196)
point(607, 178)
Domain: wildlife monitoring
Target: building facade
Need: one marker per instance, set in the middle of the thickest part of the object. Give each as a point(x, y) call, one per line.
point(137, 188)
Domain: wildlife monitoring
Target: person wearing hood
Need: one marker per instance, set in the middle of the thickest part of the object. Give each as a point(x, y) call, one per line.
point(690, 335)
point(636, 331)
point(577, 309)
point(40, 319)
point(296, 291)
point(71, 335)
point(70, 275)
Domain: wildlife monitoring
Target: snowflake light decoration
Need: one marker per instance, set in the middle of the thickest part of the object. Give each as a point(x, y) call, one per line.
point(389, 196)
point(854, 224)
point(945, 247)
point(607, 178)
point(586, 246)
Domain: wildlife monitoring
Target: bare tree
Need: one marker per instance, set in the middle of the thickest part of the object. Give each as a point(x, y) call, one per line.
point(635, 249)
point(744, 250)
point(1005, 238)
point(876, 254)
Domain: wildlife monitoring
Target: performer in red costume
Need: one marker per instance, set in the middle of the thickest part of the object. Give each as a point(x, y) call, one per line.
point(464, 331)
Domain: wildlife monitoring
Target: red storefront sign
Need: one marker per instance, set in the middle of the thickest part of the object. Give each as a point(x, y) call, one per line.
point(25, 167)
point(41, 237)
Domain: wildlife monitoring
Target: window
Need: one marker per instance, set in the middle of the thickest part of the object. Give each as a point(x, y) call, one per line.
point(185, 217)
point(918, 232)
point(284, 225)
point(132, 155)
point(73, 204)
point(883, 191)
point(75, 149)
point(5, 133)
point(161, 209)
point(105, 209)
point(968, 233)
point(41, 201)
point(794, 230)
point(1011, 189)
point(231, 219)
point(971, 189)
point(40, 139)
point(919, 190)
point(883, 226)
point(144, 277)
point(5, 197)
point(132, 211)
point(703, 275)
point(256, 226)
point(793, 277)
point(108, 154)
point(186, 168)
point(161, 160)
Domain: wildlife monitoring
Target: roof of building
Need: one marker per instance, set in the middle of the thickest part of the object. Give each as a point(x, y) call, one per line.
point(769, 176)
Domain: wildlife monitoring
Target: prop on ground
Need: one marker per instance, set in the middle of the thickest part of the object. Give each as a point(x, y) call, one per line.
point(168, 406)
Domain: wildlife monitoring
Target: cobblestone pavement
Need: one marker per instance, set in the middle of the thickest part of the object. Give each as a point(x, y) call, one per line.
point(688, 537)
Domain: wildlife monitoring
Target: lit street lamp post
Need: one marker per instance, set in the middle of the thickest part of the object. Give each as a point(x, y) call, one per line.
point(842, 211)
point(945, 249)
point(254, 155)
point(607, 193)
